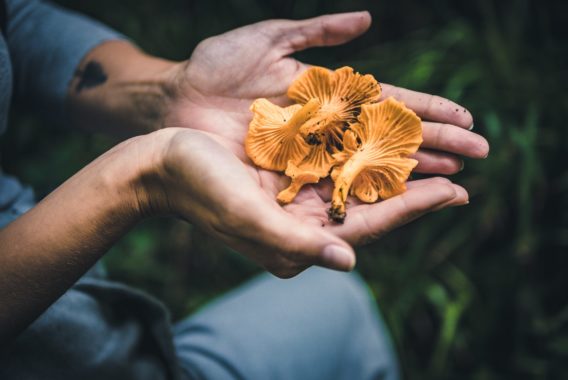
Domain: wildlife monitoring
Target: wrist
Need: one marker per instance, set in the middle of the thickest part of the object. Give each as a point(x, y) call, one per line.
point(141, 175)
point(115, 180)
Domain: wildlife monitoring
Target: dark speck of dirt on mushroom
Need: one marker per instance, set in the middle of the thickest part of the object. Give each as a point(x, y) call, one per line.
point(337, 144)
point(313, 139)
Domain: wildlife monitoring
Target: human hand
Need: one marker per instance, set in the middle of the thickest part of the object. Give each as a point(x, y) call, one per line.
point(215, 89)
point(226, 73)
point(195, 176)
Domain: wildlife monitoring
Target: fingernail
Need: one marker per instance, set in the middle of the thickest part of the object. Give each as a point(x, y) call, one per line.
point(462, 166)
point(338, 257)
point(470, 128)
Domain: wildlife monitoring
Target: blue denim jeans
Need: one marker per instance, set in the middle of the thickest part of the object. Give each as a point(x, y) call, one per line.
point(319, 325)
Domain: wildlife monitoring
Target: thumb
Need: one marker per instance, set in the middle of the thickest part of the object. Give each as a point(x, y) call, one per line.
point(298, 244)
point(314, 245)
point(328, 30)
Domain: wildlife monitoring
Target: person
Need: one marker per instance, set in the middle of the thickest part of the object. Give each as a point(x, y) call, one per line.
point(183, 125)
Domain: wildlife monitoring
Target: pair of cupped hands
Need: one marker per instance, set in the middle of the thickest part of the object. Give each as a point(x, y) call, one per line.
point(206, 177)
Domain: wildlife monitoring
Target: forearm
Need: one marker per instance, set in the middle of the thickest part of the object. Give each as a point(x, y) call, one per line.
point(120, 90)
point(47, 249)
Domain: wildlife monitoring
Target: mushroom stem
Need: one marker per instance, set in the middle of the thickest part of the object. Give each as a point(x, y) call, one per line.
point(302, 116)
point(322, 129)
point(288, 194)
point(312, 131)
point(343, 182)
point(299, 179)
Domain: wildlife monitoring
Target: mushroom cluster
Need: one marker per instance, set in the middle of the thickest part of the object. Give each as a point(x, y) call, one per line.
point(338, 127)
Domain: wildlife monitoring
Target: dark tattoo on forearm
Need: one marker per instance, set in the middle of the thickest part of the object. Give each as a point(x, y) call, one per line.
point(116, 102)
point(91, 76)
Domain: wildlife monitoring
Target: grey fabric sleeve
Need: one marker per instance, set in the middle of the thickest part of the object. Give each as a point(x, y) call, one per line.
point(46, 45)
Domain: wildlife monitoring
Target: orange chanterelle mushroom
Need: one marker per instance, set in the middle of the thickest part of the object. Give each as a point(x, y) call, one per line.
point(273, 138)
point(375, 163)
point(341, 93)
point(337, 124)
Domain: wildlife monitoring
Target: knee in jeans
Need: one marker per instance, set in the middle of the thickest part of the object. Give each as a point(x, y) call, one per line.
point(345, 289)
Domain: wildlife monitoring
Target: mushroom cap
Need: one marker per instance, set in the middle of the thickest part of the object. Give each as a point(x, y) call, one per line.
point(318, 160)
point(273, 138)
point(341, 92)
point(385, 136)
point(375, 163)
point(388, 181)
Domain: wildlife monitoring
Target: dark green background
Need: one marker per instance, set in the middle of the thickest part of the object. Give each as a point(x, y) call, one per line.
point(477, 292)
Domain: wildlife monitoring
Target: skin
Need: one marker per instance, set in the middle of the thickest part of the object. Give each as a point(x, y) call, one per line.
point(194, 166)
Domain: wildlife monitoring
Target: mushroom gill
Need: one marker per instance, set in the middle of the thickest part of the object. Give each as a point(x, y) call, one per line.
point(273, 138)
point(317, 164)
point(375, 163)
point(341, 92)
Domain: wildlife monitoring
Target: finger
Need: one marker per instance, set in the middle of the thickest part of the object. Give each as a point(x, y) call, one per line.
point(461, 199)
point(315, 210)
point(432, 162)
point(277, 239)
point(427, 181)
point(430, 107)
point(245, 216)
point(369, 222)
point(266, 256)
point(328, 30)
point(462, 196)
point(256, 226)
point(310, 244)
point(452, 139)
point(325, 187)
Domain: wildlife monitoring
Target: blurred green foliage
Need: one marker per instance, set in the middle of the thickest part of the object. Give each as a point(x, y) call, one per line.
point(478, 292)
